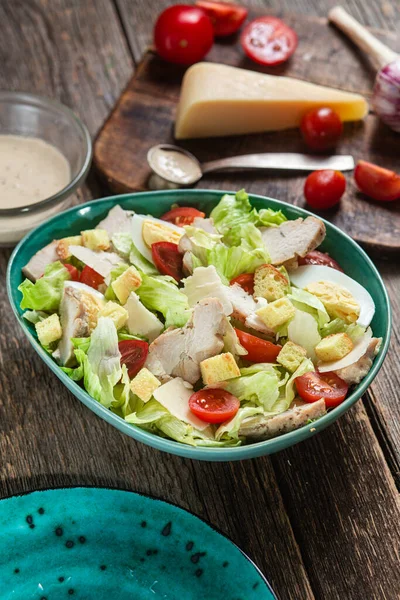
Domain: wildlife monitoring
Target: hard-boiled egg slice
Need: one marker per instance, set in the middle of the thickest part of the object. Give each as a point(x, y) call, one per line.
point(137, 233)
point(307, 274)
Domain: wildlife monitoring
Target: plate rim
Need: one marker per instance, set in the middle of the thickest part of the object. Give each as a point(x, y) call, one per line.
point(133, 493)
point(213, 454)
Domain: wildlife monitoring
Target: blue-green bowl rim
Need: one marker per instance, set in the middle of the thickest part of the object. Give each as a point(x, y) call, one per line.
point(200, 453)
point(155, 499)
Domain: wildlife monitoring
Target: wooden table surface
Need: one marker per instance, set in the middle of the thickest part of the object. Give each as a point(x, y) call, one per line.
point(321, 519)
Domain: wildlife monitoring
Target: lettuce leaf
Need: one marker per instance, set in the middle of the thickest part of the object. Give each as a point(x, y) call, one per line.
point(309, 303)
point(158, 294)
point(259, 386)
point(35, 316)
point(45, 294)
point(122, 243)
point(232, 212)
point(230, 429)
point(109, 294)
point(102, 363)
point(141, 263)
point(354, 331)
point(288, 394)
point(235, 260)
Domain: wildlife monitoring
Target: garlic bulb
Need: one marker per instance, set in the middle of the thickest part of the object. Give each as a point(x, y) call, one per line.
point(386, 95)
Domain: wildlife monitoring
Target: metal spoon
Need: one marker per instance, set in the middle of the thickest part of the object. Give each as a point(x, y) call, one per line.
point(175, 167)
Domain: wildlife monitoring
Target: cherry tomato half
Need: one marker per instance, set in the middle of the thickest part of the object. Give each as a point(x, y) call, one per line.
point(182, 215)
point(226, 17)
point(91, 277)
point(377, 183)
point(214, 405)
point(321, 128)
point(323, 189)
point(168, 259)
point(319, 258)
point(314, 386)
point(73, 271)
point(133, 355)
point(246, 281)
point(183, 34)
point(268, 41)
point(258, 350)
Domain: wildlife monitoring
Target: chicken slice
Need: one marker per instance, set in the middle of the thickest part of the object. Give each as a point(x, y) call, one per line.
point(118, 220)
point(34, 269)
point(293, 239)
point(244, 309)
point(178, 352)
point(261, 428)
point(80, 305)
point(354, 373)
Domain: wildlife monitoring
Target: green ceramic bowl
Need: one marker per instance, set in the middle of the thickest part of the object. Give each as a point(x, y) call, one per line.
point(353, 259)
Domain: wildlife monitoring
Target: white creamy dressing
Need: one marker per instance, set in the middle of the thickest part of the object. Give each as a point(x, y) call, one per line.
point(31, 170)
point(175, 166)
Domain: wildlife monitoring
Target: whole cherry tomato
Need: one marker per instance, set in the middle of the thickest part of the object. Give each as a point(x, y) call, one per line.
point(182, 215)
point(268, 41)
point(315, 257)
point(214, 405)
point(321, 128)
point(246, 281)
point(378, 183)
point(183, 34)
point(314, 386)
point(323, 189)
point(226, 17)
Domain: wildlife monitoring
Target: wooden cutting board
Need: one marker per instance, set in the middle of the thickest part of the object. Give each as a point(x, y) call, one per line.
point(144, 116)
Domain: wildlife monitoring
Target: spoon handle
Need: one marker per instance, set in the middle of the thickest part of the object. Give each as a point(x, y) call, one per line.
point(282, 161)
point(380, 54)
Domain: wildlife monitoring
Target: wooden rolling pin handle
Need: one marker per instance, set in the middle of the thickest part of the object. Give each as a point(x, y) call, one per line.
point(380, 54)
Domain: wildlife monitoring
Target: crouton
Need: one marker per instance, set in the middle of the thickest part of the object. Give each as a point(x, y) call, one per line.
point(270, 283)
point(338, 301)
point(219, 368)
point(144, 384)
point(276, 313)
point(49, 330)
point(334, 347)
point(96, 239)
point(153, 232)
point(291, 356)
point(63, 246)
point(127, 282)
point(117, 313)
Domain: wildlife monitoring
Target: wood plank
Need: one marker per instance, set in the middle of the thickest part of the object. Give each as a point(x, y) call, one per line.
point(344, 509)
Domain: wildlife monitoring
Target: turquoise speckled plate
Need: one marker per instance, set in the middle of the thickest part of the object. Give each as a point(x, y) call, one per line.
point(108, 544)
point(353, 259)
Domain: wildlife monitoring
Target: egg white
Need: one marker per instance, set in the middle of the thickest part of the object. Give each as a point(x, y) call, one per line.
point(307, 274)
point(137, 235)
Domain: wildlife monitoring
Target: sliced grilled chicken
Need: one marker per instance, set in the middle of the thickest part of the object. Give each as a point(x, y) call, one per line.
point(118, 220)
point(354, 373)
point(293, 239)
point(79, 308)
point(260, 428)
point(34, 269)
point(101, 262)
point(178, 352)
point(244, 309)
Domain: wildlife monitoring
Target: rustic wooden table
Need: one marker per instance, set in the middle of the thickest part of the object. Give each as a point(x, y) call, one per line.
point(320, 519)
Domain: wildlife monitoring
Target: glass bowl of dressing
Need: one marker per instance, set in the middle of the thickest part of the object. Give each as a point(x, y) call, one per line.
point(45, 155)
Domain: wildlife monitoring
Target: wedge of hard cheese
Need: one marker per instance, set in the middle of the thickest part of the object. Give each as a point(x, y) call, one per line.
point(219, 100)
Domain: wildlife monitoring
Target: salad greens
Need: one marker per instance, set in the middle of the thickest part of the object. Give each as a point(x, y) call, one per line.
point(125, 343)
